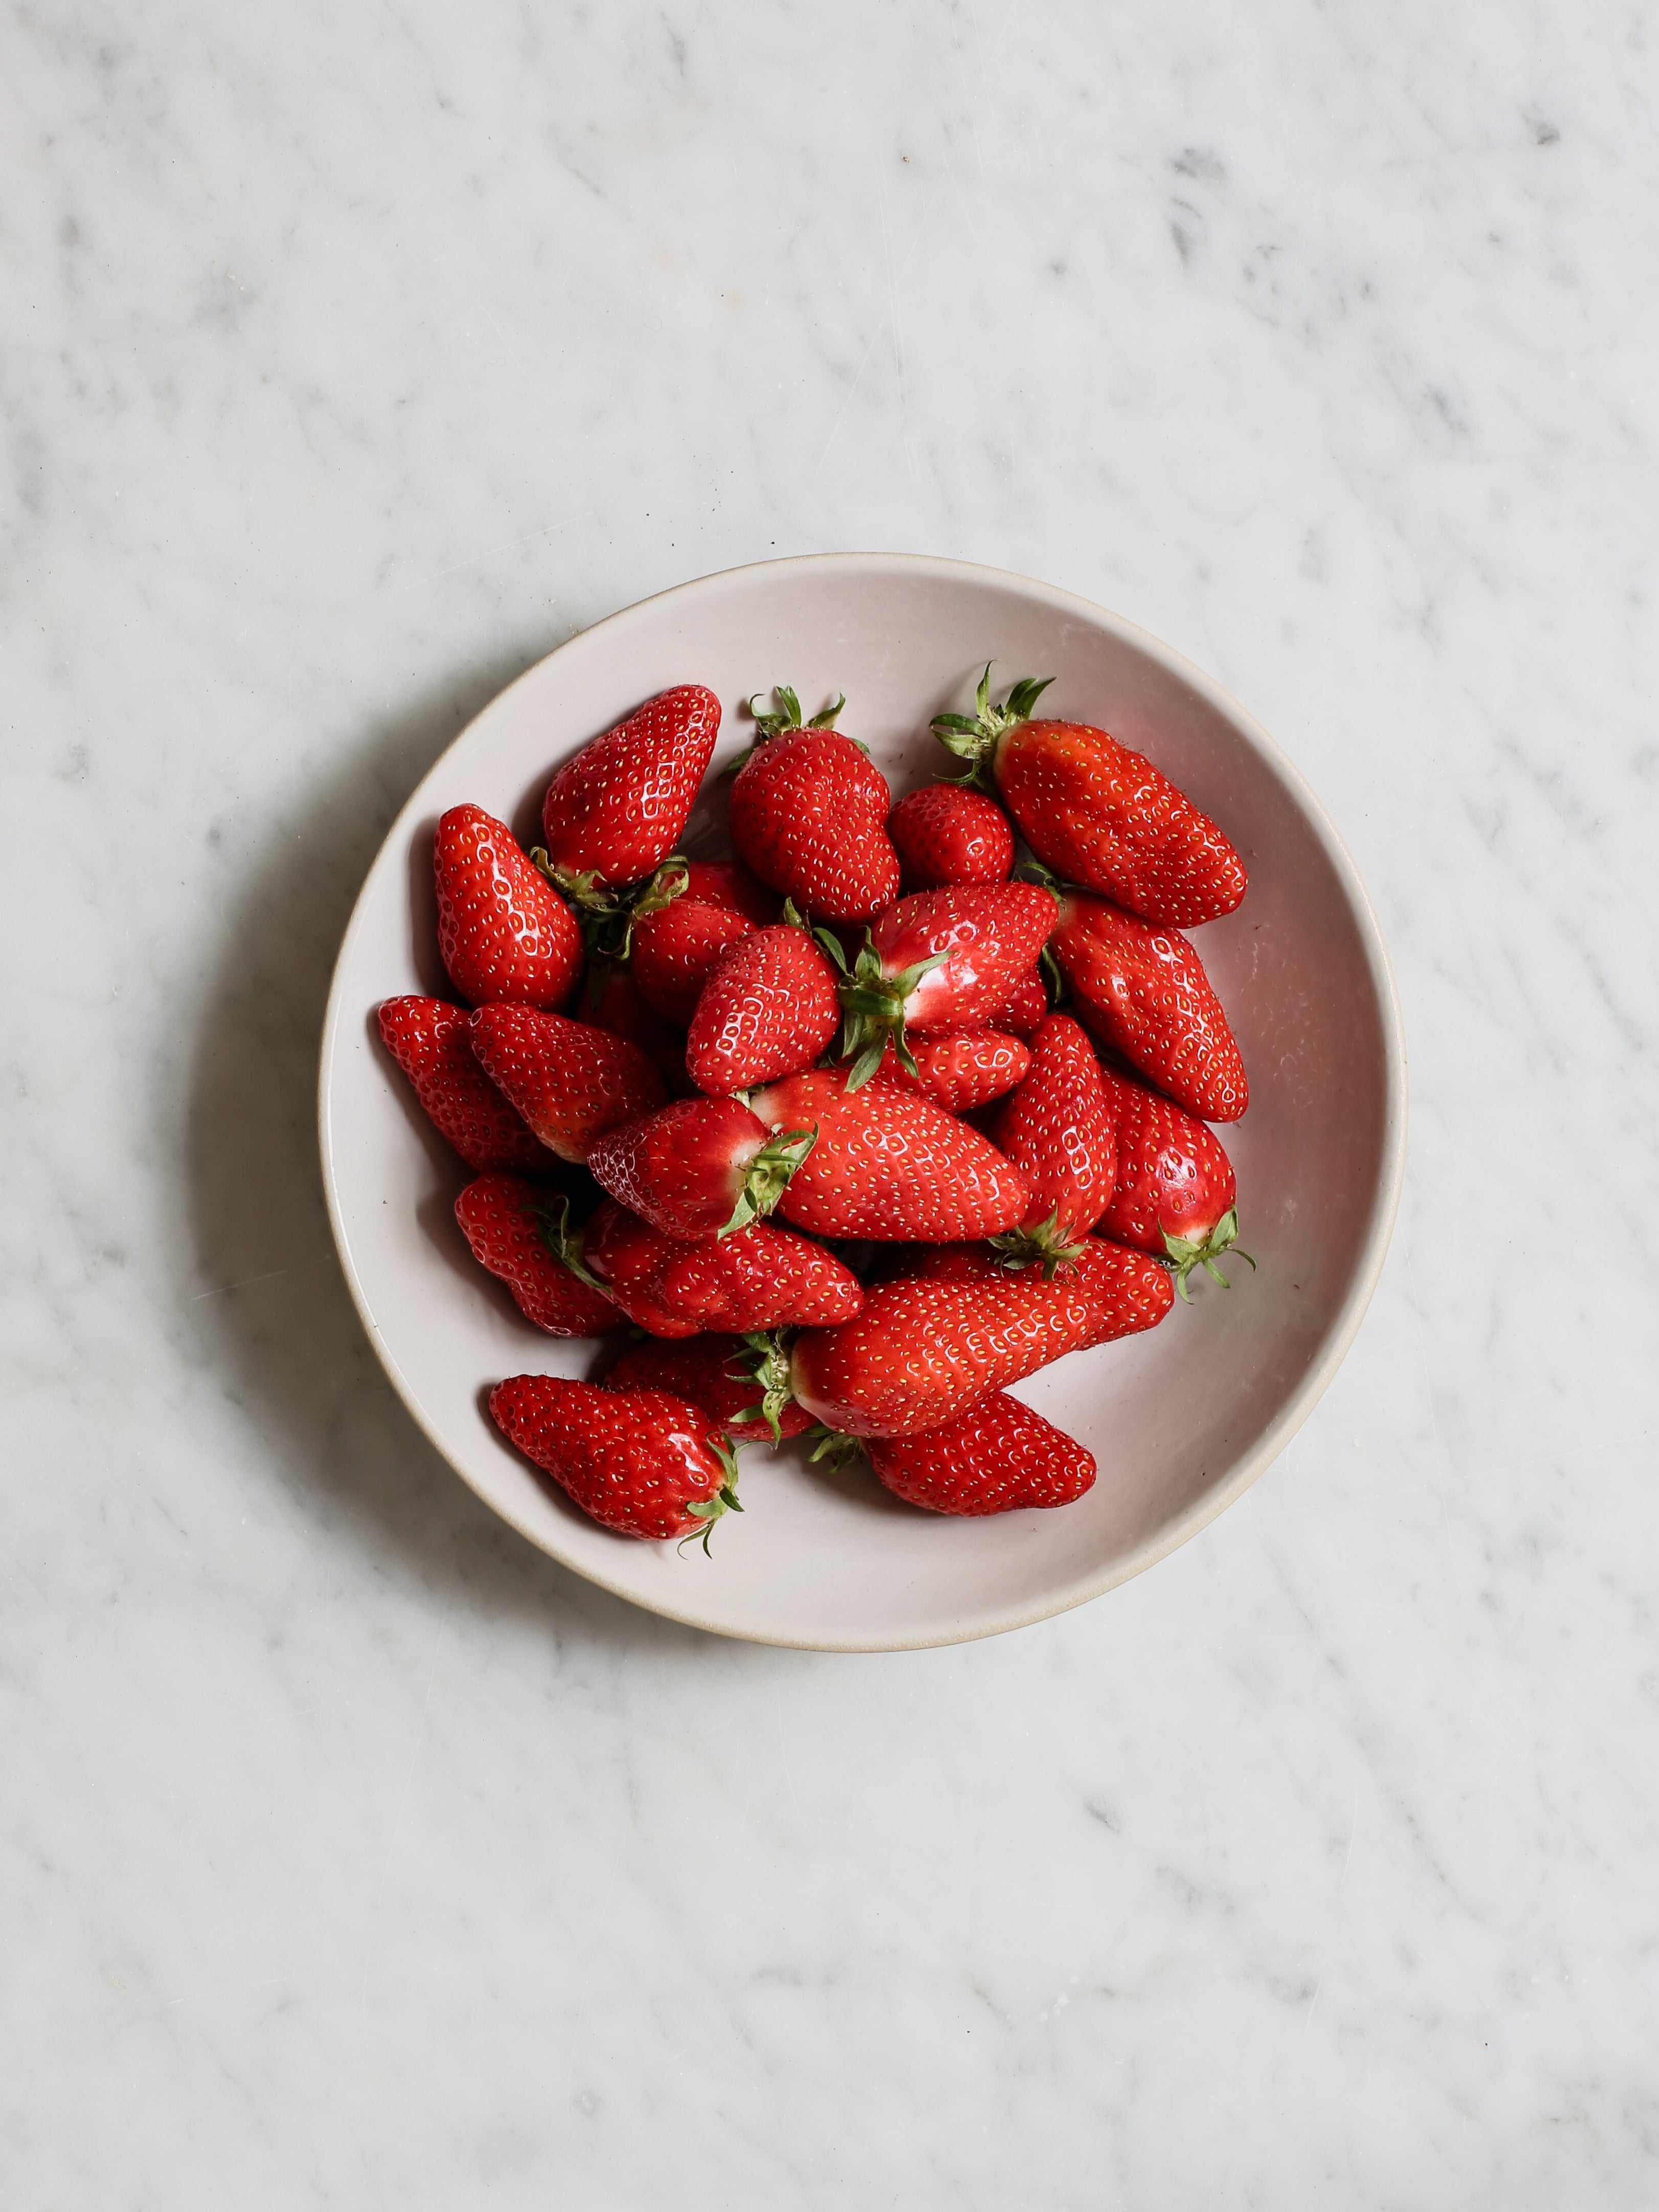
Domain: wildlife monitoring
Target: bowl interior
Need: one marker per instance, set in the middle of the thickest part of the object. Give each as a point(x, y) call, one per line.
point(1180, 1420)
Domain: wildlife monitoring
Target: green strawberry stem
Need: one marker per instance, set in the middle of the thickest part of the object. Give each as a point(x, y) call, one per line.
point(607, 912)
point(767, 1361)
point(872, 1007)
point(973, 738)
point(1044, 1246)
point(564, 1241)
point(837, 1450)
point(1184, 1255)
point(725, 1499)
point(767, 1176)
point(787, 717)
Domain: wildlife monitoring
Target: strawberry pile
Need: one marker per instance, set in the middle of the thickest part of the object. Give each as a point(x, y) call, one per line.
point(809, 1123)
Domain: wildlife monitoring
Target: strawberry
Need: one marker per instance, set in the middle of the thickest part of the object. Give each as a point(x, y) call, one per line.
point(759, 1277)
point(1097, 812)
point(1175, 1191)
point(945, 835)
point(620, 1007)
point(642, 1462)
point(517, 1230)
point(1144, 990)
point(889, 1164)
point(1058, 1127)
point(503, 932)
point(570, 1081)
point(699, 1167)
point(928, 1347)
point(937, 960)
point(719, 1373)
point(769, 1008)
point(728, 884)
point(1023, 1007)
point(613, 811)
point(430, 1042)
point(959, 1069)
point(677, 950)
point(997, 1457)
point(809, 815)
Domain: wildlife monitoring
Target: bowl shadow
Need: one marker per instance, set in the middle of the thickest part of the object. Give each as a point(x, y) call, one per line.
point(283, 1329)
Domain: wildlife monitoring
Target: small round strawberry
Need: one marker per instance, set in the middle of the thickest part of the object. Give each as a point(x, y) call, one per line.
point(926, 1347)
point(939, 960)
point(769, 1007)
point(518, 1229)
point(944, 834)
point(431, 1043)
point(1097, 812)
point(1058, 1127)
point(642, 1462)
point(570, 1081)
point(503, 932)
point(742, 1382)
point(1025, 1007)
point(889, 1164)
point(698, 1167)
point(759, 1277)
point(1145, 991)
point(1175, 1190)
point(997, 1457)
point(959, 1069)
point(809, 815)
point(613, 812)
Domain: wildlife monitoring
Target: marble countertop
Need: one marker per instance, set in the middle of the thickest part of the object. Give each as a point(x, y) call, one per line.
point(354, 1854)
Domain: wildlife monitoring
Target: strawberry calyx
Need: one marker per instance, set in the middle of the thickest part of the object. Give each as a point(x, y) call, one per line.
point(834, 1448)
point(607, 912)
point(787, 716)
point(766, 1360)
point(872, 1006)
point(1046, 1246)
point(1183, 1254)
point(709, 1510)
point(766, 1178)
point(973, 738)
point(563, 1239)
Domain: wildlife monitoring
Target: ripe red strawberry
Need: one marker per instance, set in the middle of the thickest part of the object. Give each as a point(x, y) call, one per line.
point(431, 1043)
point(677, 950)
point(719, 1373)
point(1025, 1007)
point(570, 1081)
point(1097, 812)
point(728, 884)
point(944, 834)
point(959, 1069)
point(620, 1007)
point(809, 815)
point(939, 960)
point(503, 932)
point(997, 1457)
point(612, 813)
point(699, 1167)
point(889, 1164)
point(759, 1277)
point(928, 1347)
point(1175, 1191)
point(517, 1229)
point(642, 1462)
point(1059, 1128)
point(1144, 990)
point(769, 1007)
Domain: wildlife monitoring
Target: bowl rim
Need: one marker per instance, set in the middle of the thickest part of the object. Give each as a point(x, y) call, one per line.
point(1385, 1205)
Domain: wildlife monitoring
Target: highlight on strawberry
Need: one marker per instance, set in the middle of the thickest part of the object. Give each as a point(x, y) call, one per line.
point(698, 1167)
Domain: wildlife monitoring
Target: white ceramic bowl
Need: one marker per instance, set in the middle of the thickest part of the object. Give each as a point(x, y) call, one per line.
point(1180, 1420)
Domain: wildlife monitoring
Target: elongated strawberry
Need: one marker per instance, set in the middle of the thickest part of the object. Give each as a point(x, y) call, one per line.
point(926, 1347)
point(889, 1164)
point(959, 1069)
point(503, 932)
point(769, 1008)
point(944, 834)
point(997, 1457)
point(570, 1081)
point(1097, 811)
point(731, 1377)
point(1175, 1190)
point(1144, 990)
point(809, 815)
point(1059, 1128)
point(615, 810)
point(642, 1462)
point(759, 1277)
point(699, 1167)
point(431, 1043)
point(517, 1229)
point(937, 960)
point(1023, 1008)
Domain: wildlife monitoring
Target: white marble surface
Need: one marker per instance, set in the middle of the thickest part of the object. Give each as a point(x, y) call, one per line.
point(352, 1854)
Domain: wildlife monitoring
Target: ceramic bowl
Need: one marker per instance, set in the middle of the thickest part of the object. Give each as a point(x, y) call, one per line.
point(1180, 1420)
